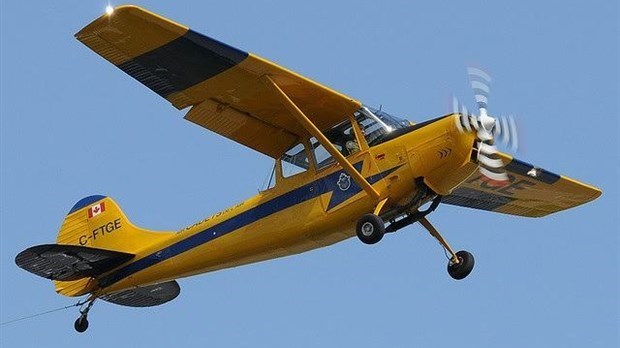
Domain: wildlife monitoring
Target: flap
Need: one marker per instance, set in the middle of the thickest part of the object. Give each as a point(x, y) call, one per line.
point(531, 191)
point(69, 262)
point(190, 69)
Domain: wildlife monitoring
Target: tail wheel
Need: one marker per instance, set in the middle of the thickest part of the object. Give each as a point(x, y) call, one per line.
point(370, 229)
point(462, 269)
point(81, 324)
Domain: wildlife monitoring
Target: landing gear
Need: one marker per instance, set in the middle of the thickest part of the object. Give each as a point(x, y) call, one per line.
point(81, 323)
point(461, 263)
point(370, 229)
point(462, 269)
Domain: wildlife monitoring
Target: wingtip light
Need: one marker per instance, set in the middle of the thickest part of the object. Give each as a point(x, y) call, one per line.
point(109, 10)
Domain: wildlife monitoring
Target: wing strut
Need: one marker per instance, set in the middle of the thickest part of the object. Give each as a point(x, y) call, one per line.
point(314, 131)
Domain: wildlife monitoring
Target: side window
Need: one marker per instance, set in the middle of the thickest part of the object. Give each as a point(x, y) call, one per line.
point(342, 137)
point(321, 156)
point(294, 161)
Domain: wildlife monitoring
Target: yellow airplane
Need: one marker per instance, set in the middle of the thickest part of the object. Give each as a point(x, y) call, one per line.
point(341, 169)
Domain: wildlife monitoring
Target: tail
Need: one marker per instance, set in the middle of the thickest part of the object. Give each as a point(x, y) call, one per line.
point(98, 222)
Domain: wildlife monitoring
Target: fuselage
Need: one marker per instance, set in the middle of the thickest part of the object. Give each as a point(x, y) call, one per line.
point(308, 210)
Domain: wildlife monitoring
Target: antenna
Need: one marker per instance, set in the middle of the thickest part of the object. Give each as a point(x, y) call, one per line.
point(42, 313)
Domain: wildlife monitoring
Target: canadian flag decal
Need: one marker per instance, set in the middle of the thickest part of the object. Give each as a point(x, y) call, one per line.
point(96, 209)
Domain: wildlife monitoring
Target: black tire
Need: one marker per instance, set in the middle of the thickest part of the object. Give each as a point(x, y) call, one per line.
point(370, 229)
point(462, 269)
point(81, 324)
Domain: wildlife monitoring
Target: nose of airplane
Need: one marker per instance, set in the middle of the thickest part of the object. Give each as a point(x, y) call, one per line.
point(487, 122)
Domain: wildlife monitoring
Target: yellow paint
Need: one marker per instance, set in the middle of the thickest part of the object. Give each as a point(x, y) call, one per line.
point(129, 32)
point(304, 226)
point(110, 230)
point(531, 197)
point(250, 108)
point(236, 93)
point(257, 109)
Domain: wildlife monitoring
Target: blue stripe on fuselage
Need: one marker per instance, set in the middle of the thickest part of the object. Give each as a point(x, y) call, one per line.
point(287, 200)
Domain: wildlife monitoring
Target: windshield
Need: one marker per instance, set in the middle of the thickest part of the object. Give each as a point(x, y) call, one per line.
point(377, 124)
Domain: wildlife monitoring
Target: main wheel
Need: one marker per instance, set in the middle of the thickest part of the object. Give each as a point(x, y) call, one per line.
point(370, 229)
point(462, 269)
point(81, 324)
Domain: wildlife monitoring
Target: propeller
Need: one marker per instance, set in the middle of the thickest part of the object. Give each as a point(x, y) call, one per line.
point(489, 130)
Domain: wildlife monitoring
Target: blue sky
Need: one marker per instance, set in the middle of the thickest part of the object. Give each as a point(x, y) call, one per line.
point(74, 125)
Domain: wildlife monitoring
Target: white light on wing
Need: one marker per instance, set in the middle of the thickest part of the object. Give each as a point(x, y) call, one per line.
point(109, 10)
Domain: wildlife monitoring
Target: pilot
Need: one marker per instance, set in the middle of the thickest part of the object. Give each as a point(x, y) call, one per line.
point(352, 146)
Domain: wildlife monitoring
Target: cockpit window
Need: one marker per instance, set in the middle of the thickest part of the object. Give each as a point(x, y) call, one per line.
point(321, 156)
point(377, 125)
point(294, 161)
point(342, 137)
point(391, 120)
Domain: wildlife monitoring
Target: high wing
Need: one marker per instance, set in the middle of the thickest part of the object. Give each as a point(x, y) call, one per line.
point(224, 86)
point(531, 192)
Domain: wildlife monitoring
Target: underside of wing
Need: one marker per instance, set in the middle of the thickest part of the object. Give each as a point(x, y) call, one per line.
point(69, 262)
point(531, 191)
point(223, 85)
point(145, 296)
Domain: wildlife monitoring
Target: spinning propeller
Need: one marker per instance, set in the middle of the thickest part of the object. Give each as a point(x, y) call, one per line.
point(488, 129)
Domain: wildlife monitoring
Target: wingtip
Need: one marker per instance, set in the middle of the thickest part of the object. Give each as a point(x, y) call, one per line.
point(108, 13)
point(597, 192)
point(594, 191)
point(122, 12)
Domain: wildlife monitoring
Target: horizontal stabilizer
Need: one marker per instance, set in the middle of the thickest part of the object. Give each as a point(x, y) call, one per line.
point(145, 296)
point(69, 262)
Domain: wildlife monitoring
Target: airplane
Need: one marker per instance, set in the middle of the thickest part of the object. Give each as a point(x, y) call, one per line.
point(342, 169)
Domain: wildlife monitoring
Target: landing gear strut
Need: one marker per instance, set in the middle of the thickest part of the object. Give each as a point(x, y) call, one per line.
point(371, 228)
point(461, 263)
point(81, 323)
